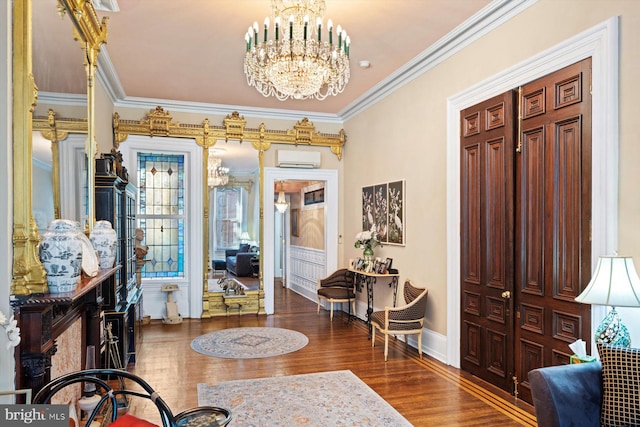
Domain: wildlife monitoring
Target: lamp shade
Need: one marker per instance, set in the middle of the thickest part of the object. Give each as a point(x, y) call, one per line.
point(244, 237)
point(615, 282)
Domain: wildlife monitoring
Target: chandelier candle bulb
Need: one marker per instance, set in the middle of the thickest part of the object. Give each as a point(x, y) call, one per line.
point(255, 33)
point(291, 27)
point(339, 33)
point(277, 24)
point(306, 24)
point(266, 29)
point(319, 24)
point(330, 25)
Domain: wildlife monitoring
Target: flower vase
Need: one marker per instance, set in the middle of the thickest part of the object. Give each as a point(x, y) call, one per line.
point(368, 255)
point(61, 255)
point(104, 240)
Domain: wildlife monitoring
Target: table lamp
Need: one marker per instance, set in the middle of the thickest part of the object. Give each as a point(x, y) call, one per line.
point(615, 283)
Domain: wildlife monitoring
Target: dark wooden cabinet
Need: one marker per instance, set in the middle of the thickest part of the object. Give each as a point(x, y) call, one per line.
point(116, 202)
point(44, 318)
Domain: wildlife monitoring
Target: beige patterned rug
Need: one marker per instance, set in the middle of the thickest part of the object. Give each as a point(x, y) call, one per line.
point(249, 342)
point(336, 398)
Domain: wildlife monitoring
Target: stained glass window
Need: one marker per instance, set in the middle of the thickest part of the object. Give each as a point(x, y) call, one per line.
point(161, 215)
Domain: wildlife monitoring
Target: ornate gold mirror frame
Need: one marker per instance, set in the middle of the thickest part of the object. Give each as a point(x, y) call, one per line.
point(159, 122)
point(28, 275)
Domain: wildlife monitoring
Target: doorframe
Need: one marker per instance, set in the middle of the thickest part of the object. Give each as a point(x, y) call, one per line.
point(601, 44)
point(270, 177)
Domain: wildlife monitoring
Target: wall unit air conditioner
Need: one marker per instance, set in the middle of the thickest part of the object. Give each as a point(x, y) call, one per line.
point(298, 159)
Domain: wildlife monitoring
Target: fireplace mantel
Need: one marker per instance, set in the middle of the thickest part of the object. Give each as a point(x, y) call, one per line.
point(43, 318)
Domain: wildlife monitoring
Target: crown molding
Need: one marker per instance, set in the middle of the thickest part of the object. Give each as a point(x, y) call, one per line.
point(223, 110)
point(68, 99)
point(488, 18)
point(484, 21)
point(108, 77)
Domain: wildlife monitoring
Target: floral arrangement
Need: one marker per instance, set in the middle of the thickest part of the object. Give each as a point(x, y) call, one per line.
point(367, 239)
point(11, 328)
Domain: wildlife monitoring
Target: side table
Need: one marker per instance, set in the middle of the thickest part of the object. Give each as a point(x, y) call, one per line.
point(369, 279)
point(255, 266)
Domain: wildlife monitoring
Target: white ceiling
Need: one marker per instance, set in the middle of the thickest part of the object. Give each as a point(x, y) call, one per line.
point(193, 50)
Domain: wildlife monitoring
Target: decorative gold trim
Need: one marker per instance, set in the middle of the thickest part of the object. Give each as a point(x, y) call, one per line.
point(159, 122)
point(91, 33)
point(28, 275)
point(519, 142)
point(56, 130)
point(246, 183)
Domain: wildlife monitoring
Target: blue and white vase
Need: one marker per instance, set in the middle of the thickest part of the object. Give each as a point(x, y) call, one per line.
point(104, 240)
point(61, 255)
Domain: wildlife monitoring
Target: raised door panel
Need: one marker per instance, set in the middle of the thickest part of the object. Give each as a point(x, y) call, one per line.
point(487, 151)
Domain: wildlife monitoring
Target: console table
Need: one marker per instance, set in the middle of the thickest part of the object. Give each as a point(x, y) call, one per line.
point(44, 317)
point(369, 279)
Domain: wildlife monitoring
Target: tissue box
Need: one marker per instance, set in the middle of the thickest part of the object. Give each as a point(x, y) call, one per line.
point(575, 359)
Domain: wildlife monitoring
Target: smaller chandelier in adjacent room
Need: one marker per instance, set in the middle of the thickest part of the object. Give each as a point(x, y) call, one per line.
point(297, 63)
point(281, 204)
point(216, 174)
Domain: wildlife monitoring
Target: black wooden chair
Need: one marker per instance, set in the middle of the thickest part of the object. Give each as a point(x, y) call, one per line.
point(109, 401)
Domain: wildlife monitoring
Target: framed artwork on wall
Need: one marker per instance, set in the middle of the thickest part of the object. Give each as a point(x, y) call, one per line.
point(383, 206)
point(395, 215)
point(295, 222)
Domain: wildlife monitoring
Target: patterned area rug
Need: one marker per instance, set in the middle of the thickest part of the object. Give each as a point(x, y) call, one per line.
point(249, 343)
point(337, 398)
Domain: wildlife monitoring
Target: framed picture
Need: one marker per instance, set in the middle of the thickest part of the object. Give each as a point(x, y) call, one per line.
point(295, 222)
point(387, 265)
point(383, 207)
point(359, 264)
point(367, 208)
point(395, 214)
point(378, 268)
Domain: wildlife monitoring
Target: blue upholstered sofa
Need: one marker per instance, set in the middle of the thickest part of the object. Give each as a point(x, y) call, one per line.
point(239, 261)
point(567, 395)
point(590, 394)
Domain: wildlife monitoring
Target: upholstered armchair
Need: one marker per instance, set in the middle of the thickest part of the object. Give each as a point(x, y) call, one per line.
point(338, 287)
point(405, 320)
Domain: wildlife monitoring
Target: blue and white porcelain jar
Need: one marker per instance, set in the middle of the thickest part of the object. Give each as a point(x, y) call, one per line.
point(61, 255)
point(104, 240)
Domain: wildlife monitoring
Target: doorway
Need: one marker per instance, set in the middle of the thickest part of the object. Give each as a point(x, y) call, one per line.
point(272, 175)
point(599, 43)
point(526, 215)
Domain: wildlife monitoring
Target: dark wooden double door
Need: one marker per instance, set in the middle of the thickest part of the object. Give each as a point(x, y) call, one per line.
point(525, 227)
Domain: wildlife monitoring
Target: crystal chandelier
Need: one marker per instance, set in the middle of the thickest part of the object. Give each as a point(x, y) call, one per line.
point(281, 204)
point(298, 63)
point(217, 174)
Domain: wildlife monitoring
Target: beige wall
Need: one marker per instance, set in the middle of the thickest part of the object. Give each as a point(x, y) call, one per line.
point(408, 131)
point(311, 225)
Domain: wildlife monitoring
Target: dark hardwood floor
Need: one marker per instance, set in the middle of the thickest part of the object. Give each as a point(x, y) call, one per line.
point(426, 392)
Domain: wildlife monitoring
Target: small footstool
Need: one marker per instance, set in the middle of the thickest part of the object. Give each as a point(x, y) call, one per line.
point(219, 266)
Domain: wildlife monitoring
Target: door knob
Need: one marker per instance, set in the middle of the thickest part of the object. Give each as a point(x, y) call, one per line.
point(506, 294)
